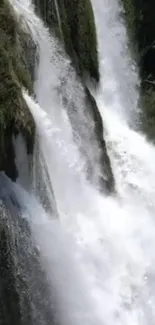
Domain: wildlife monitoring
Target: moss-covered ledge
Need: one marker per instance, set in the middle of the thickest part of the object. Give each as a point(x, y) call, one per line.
point(14, 73)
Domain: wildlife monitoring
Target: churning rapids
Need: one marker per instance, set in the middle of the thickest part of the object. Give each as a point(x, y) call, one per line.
point(97, 251)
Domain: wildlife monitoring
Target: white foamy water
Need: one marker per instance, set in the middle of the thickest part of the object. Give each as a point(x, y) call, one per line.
point(99, 253)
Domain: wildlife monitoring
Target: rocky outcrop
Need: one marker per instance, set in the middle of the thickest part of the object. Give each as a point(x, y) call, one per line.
point(14, 73)
point(73, 22)
point(140, 18)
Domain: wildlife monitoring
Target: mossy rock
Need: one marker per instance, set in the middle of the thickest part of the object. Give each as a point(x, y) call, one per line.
point(73, 22)
point(14, 73)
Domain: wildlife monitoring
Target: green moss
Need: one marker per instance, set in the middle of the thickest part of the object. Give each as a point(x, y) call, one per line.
point(76, 29)
point(14, 113)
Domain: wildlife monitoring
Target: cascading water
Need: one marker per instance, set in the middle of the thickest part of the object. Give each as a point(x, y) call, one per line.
point(98, 255)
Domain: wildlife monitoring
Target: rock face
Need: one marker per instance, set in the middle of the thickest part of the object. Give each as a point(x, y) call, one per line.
point(140, 18)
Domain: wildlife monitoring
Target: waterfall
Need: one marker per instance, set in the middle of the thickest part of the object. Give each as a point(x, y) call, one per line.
point(97, 252)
